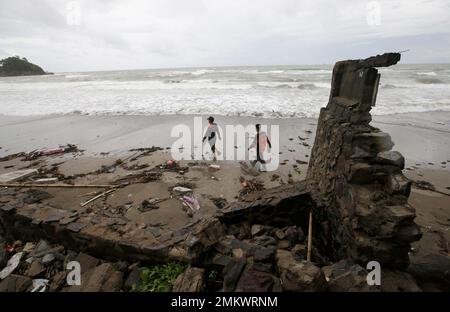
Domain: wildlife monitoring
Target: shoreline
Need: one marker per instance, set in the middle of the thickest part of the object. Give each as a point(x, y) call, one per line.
point(423, 138)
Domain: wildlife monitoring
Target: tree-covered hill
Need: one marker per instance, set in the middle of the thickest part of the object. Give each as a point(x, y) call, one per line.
point(16, 66)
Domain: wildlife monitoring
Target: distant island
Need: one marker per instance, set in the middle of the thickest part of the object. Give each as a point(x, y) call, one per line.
point(16, 66)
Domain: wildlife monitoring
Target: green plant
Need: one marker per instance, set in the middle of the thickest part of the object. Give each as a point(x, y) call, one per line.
point(159, 278)
point(212, 276)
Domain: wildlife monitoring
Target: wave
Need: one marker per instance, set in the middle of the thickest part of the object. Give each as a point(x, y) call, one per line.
point(307, 86)
point(76, 76)
point(427, 73)
point(391, 86)
point(429, 80)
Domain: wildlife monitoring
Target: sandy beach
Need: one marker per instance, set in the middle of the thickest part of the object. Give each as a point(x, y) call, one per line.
point(124, 144)
point(423, 138)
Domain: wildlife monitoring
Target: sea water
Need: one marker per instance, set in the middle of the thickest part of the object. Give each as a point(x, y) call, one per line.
point(269, 91)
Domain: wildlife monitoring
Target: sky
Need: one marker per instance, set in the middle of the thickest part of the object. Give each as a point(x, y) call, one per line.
point(90, 35)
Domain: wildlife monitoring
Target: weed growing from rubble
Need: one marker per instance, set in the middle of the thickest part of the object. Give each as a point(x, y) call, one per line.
point(159, 278)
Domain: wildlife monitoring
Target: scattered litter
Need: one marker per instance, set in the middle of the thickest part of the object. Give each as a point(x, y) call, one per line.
point(149, 204)
point(46, 180)
point(217, 167)
point(97, 197)
point(250, 186)
point(17, 175)
point(182, 190)
point(29, 247)
point(11, 265)
point(108, 169)
point(69, 148)
point(39, 285)
point(191, 201)
point(48, 258)
point(220, 202)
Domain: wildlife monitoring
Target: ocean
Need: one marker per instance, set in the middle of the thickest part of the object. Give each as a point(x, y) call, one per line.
point(267, 91)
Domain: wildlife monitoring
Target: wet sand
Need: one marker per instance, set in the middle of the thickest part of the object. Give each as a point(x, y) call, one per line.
point(423, 139)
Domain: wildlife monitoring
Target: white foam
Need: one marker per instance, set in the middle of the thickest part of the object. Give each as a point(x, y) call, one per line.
point(269, 92)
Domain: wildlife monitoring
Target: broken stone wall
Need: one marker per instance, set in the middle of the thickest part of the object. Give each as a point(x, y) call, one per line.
point(356, 173)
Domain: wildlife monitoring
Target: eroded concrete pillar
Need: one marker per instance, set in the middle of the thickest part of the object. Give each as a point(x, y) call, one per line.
point(357, 175)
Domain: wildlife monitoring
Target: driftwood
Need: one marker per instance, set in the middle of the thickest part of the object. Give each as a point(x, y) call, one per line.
point(97, 197)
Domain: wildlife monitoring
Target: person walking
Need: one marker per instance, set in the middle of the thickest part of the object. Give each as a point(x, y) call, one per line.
point(212, 132)
point(260, 141)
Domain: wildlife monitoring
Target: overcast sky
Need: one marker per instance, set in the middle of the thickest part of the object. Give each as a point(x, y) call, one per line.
point(85, 35)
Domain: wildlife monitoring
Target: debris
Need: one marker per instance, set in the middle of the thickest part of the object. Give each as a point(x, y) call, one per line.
point(11, 265)
point(250, 186)
point(48, 258)
point(36, 196)
point(28, 247)
point(217, 167)
point(46, 180)
point(192, 202)
point(182, 190)
point(220, 202)
point(57, 185)
point(108, 169)
point(149, 204)
point(39, 285)
point(97, 197)
point(17, 175)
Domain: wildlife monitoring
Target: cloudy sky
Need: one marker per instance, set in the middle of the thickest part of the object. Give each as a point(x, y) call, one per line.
point(85, 35)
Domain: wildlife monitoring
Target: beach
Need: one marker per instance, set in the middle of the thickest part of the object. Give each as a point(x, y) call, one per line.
point(142, 187)
point(423, 139)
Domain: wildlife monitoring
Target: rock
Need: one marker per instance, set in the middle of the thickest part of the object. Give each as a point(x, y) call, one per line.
point(103, 278)
point(255, 281)
point(11, 265)
point(264, 254)
point(191, 280)
point(3, 255)
point(41, 247)
point(257, 229)
point(86, 261)
point(29, 247)
point(264, 241)
point(134, 278)
point(15, 283)
point(221, 260)
point(36, 269)
point(348, 277)
point(76, 227)
point(399, 184)
point(303, 277)
point(284, 244)
point(395, 281)
point(299, 252)
point(431, 271)
point(48, 259)
point(238, 253)
point(284, 259)
point(293, 234)
point(36, 196)
point(280, 234)
point(231, 274)
point(58, 281)
point(391, 158)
